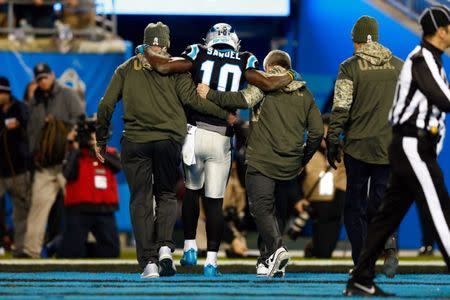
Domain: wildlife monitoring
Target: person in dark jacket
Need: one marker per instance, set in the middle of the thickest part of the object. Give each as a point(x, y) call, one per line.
point(276, 150)
point(14, 160)
point(155, 128)
point(363, 95)
point(418, 118)
point(323, 201)
point(54, 110)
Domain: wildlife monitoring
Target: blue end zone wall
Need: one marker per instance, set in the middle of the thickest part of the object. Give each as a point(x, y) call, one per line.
point(325, 41)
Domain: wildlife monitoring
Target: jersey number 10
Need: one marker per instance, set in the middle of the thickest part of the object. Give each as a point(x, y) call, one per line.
point(235, 70)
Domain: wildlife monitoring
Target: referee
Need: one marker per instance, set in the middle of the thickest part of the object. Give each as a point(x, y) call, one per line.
point(422, 97)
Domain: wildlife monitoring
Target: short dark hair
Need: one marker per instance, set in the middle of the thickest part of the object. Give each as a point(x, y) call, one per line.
point(278, 58)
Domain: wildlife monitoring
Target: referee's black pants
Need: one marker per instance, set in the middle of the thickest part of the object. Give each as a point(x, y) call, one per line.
point(152, 169)
point(415, 175)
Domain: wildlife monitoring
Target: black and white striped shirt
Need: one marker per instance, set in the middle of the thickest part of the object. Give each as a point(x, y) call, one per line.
point(422, 94)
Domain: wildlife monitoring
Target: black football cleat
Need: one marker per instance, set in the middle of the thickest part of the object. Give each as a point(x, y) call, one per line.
point(355, 288)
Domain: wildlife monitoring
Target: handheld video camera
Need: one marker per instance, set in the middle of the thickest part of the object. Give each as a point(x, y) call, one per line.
point(300, 221)
point(85, 127)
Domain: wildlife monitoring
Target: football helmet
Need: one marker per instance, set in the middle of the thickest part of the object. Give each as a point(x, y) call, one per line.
point(222, 34)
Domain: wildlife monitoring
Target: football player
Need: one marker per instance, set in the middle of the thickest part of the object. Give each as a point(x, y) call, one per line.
point(207, 150)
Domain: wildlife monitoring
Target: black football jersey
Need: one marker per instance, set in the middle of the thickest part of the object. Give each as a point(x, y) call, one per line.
point(222, 70)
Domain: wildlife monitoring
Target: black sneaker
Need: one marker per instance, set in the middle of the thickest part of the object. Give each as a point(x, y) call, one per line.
point(166, 267)
point(358, 289)
point(390, 265)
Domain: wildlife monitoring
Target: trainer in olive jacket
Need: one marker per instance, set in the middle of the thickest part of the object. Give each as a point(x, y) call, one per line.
point(276, 149)
point(154, 130)
point(363, 96)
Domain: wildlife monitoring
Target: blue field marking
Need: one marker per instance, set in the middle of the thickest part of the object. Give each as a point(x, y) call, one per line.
point(74, 285)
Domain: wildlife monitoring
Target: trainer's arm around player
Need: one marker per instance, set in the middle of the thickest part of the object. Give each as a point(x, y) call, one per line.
point(186, 92)
point(246, 98)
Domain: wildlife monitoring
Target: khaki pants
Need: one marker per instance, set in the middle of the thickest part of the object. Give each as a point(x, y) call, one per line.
point(18, 188)
point(46, 184)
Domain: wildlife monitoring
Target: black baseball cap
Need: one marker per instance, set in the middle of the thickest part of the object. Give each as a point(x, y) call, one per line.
point(434, 17)
point(5, 87)
point(42, 70)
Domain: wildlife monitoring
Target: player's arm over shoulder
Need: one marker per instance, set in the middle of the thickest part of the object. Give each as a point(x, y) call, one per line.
point(264, 82)
point(165, 65)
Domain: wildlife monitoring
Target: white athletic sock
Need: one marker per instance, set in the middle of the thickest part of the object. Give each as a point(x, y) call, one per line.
point(165, 251)
point(190, 244)
point(211, 258)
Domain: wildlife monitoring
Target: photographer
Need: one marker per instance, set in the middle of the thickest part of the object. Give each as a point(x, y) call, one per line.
point(324, 190)
point(14, 161)
point(91, 198)
point(234, 209)
point(54, 110)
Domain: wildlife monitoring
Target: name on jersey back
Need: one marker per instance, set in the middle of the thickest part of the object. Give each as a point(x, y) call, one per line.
point(227, 54)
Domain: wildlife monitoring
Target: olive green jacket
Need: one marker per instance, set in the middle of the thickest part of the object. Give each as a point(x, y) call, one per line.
point(276, 145)
point(152, 104)
point(363, 96)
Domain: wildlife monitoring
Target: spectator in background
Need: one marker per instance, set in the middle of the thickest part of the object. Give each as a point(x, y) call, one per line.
point(428, 234)
point(91, 198)
point(324, 197)
point(54, 109)
point(29, 91)
point(38, 14)
point(3, 13)
point(2, 226)
point(234, 203)
point(79, 14)
point(14, 160)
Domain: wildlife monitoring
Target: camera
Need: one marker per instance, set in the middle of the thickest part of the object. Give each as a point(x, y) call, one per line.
point(85, 127)
point(299, 222)
point(231, 215)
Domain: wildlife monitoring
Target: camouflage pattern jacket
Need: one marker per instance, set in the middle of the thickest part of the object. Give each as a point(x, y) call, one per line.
point(363, 96)
point(276, 146)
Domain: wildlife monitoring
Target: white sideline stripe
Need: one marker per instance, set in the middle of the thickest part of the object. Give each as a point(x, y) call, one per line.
point(423, 175)
point(252, 262)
